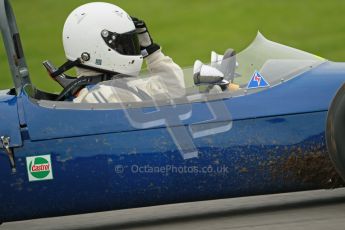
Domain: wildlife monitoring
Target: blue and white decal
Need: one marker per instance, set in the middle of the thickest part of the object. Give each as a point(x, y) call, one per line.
point(257, 81)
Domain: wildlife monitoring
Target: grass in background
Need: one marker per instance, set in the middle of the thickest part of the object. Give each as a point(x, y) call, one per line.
point(188, 30)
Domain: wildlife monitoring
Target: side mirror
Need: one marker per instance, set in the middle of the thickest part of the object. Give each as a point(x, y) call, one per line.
point(225, 63)
point(216, 59)
point(207, 75)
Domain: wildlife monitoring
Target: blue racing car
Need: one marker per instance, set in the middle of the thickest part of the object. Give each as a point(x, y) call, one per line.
point(278, 128)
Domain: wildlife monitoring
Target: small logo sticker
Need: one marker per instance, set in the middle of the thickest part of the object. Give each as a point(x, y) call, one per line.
point(257, 81)
point(98, 62)
point(39, 168)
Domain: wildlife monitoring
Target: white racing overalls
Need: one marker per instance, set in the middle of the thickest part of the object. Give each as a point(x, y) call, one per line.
point(166, 80)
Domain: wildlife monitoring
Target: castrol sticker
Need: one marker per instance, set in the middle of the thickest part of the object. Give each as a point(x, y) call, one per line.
point(39, 168)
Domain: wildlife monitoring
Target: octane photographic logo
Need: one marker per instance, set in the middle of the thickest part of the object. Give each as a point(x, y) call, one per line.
point(39, 168)
point(173, 115)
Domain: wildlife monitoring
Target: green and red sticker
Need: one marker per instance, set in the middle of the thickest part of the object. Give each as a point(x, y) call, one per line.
point(39, 168)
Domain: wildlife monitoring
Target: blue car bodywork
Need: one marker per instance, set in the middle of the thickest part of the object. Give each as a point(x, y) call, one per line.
point(262, 153)
point(100, 161)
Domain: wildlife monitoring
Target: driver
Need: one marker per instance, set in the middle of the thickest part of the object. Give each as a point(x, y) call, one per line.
point(102, 39)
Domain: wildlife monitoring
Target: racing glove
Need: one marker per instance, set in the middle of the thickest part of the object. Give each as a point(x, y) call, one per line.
point(147, 46)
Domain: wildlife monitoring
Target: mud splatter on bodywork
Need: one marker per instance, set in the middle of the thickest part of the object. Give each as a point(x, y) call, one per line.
point(307, 165)
point(312, 167)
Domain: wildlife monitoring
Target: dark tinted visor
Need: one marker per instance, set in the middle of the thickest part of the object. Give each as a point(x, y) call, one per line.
point(126, 44)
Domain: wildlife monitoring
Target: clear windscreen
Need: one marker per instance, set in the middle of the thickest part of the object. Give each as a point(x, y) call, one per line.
point(274, 61)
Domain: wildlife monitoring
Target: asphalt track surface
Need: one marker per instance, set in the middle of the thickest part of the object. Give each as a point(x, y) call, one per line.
point(322, 209)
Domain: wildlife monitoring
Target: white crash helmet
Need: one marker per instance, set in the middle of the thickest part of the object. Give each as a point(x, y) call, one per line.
point(103, 37)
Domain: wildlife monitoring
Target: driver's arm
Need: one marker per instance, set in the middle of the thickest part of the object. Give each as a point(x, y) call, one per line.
point(166, 73)
point(167, 76)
